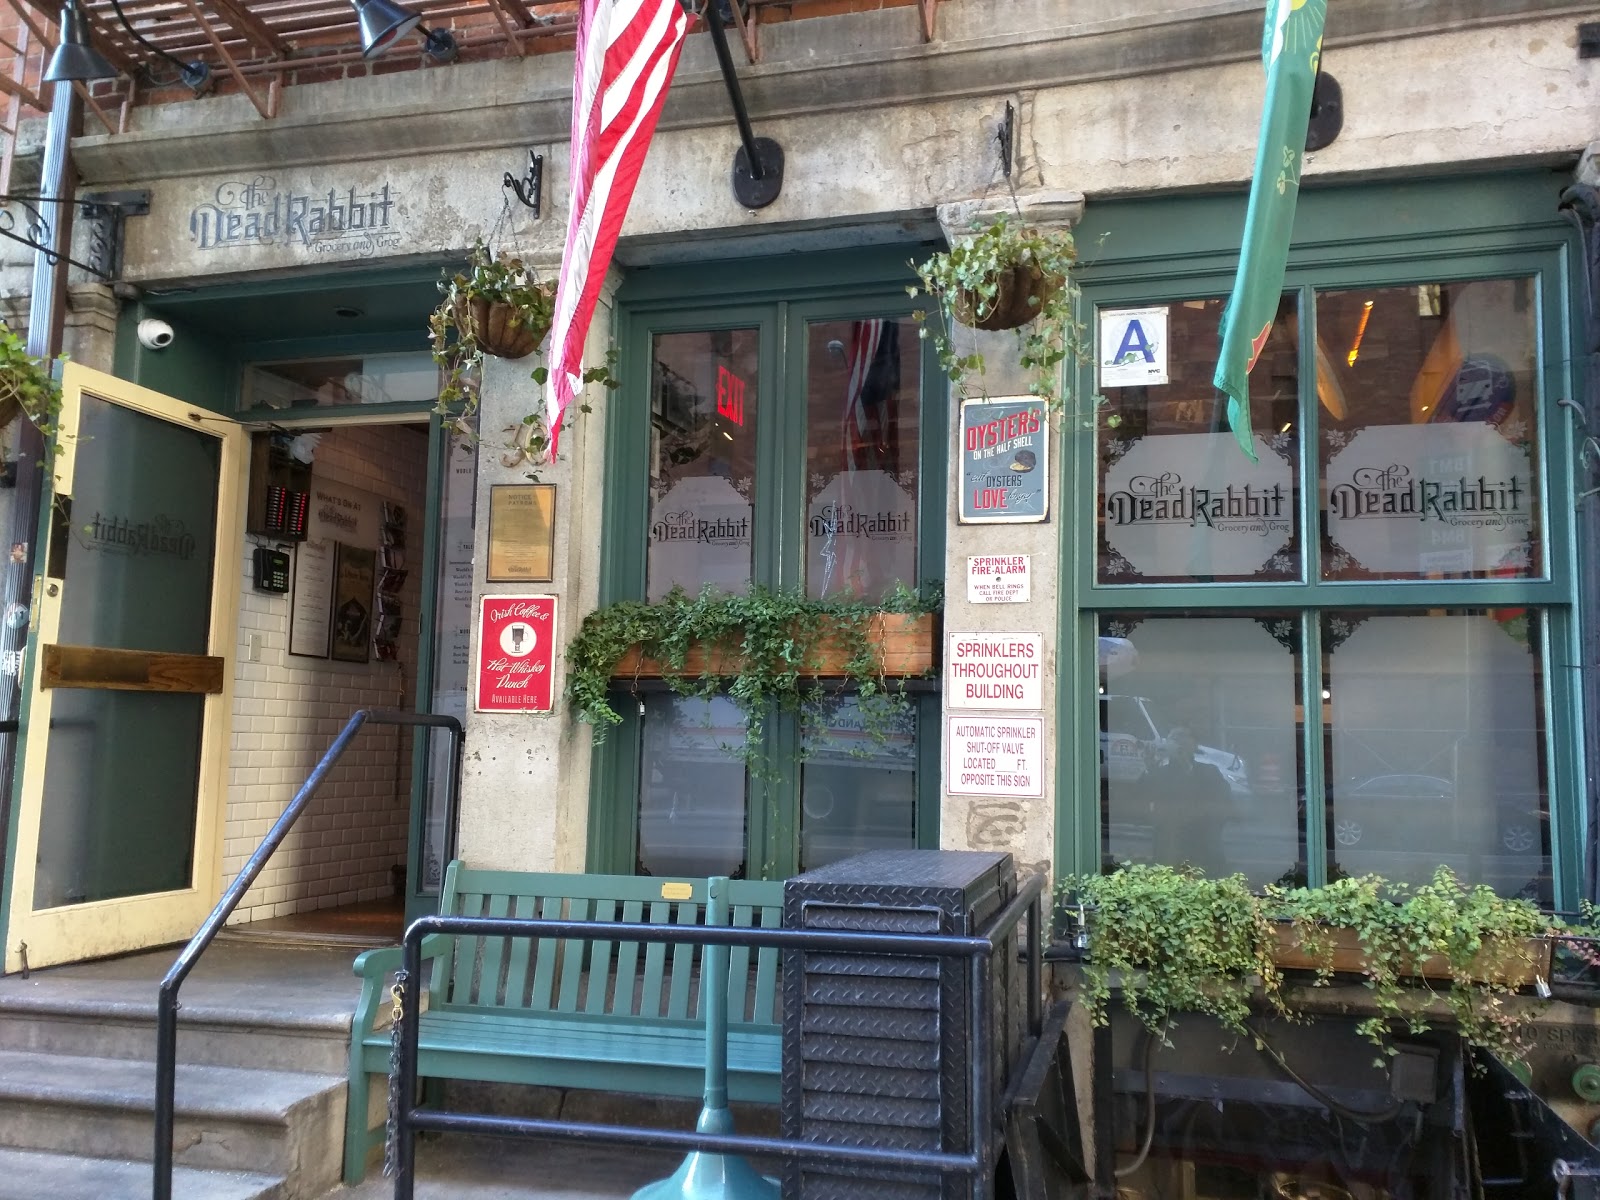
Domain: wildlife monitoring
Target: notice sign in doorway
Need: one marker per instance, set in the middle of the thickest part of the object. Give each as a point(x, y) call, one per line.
point(516, 654)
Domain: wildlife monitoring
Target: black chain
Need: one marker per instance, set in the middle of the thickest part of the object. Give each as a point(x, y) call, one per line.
point(391, 1136)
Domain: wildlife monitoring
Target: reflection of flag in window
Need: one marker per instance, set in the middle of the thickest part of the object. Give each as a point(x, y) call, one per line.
point(871, 441)
point(872, 397)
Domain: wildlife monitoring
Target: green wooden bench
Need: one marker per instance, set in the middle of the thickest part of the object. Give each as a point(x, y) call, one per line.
point(603, 1013)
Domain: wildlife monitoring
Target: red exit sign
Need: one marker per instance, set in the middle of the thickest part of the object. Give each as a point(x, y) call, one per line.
point(730, 396)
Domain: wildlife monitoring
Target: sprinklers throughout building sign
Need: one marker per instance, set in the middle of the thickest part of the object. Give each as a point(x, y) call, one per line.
point(1005, 474)
point(516, 654)
point(1451, 497)
point(1191, 504)
point(995, 670)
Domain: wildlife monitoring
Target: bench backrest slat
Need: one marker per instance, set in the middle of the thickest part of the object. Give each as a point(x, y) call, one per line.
point(607, 976)
point(519, 955)
point(544, 961)
point(683, 981)
point(753, 974)
point(600, 955)
point(494, 950)
point(572, 955)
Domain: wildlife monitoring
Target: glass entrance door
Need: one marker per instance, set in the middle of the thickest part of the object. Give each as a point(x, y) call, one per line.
point(124, 735)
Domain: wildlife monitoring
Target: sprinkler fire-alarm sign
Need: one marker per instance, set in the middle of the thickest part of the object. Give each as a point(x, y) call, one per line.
point(999, 578)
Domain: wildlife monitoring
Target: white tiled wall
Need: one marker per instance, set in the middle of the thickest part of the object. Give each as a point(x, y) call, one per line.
point(287, 711)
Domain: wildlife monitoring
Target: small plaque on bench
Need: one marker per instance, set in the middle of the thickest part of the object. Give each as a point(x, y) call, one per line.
point(677, 891)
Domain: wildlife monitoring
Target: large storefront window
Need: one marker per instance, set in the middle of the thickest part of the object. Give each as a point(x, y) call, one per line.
point(1375, 697)
point(788, 447)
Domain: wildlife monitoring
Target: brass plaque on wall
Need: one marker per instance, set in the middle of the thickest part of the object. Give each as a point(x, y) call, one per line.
point(522, 533)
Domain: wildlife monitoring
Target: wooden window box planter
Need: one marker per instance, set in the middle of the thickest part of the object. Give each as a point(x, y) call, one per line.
point(905, 646)
point(1515, 963)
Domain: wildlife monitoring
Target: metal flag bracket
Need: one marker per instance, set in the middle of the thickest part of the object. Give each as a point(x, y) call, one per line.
point(529, 188)
point(104, 214)
point(758, 163)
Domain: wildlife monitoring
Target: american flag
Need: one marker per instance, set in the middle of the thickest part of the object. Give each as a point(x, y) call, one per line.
point(627, 52)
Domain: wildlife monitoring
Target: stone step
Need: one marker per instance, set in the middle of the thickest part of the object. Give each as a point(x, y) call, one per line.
point(274, 1123)
point(98, 1027)
point(30, 1174)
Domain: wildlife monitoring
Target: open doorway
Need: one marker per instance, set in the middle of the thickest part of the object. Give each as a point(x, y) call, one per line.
point(348, 601)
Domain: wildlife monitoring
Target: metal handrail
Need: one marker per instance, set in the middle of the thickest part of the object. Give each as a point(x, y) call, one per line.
point(410, 1119)
point(167, 1000)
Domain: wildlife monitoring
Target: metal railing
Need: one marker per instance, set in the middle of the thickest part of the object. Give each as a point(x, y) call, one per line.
point(410, 1119)
point(167, 1001)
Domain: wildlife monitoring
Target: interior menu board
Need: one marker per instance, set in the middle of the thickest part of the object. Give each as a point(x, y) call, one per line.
point(311, 609)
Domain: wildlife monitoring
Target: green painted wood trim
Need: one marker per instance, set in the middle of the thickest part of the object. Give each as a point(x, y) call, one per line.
point(418, 901)
point(1150, 251)
point(796, 277)
point(334, 345)
point(779, 298)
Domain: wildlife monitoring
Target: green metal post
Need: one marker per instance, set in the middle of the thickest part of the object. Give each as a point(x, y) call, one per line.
point(705, 1176)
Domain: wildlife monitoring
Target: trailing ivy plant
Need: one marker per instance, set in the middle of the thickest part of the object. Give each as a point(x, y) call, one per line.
point(1176, 941)
point(769, 644)
point(969, 283)
point(27, 386)
point(459, 345)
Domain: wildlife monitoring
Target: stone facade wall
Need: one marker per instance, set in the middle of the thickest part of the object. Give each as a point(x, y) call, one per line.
point(880, 129)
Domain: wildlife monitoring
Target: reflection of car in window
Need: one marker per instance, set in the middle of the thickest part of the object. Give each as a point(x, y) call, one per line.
point(1132, 744)
point(1425, 808)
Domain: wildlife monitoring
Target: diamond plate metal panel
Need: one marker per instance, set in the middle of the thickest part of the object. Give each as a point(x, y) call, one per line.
point(876, 1049)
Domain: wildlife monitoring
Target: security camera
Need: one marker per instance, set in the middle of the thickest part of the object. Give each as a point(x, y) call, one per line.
point(155, 335)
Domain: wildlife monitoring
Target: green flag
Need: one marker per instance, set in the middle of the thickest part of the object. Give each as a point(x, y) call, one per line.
point(1291, 46)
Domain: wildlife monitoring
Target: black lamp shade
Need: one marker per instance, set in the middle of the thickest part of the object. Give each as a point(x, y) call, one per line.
point(76, 57)
point(383, 22)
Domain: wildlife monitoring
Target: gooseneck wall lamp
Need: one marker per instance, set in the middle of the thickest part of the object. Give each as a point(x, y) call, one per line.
point(195, 76)
point(383, 23)
point(75, 56)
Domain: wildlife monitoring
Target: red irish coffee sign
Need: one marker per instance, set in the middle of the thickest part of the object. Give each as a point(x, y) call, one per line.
point(516, 654)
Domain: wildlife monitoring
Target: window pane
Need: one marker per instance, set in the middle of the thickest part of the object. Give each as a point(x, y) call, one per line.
point(692, 787)
point(1198, 749)
point(863, 414)
point(1436, 748)
point(856, 794)
point(1178, 501)
point(1429, 431)
point(703, 408)
point(331, 382)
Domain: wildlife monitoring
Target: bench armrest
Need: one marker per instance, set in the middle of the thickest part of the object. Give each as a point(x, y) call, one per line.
point(375, 967)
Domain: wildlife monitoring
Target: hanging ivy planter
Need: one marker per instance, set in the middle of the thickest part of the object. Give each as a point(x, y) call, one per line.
point(1004, 276)
point(1021, 292)
point(26, 386)
point(900, 645)
point(1173, 941)
point(502, 328)
point(767, 651)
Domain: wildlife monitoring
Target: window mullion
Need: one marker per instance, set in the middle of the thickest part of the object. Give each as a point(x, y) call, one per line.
point(1312, 781)
point(1310, 435)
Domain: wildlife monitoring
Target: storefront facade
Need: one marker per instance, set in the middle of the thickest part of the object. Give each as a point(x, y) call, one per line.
point(1382, 673)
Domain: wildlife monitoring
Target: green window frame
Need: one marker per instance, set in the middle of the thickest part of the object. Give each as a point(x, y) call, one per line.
point(1155, 252)
point(777, 297)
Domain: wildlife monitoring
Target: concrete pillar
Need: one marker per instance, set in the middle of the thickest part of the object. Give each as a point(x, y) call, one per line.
point(1024, 827)
point(525, 781)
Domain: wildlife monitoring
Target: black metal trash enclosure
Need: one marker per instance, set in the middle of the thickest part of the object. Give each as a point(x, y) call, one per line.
point(875, 1047)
